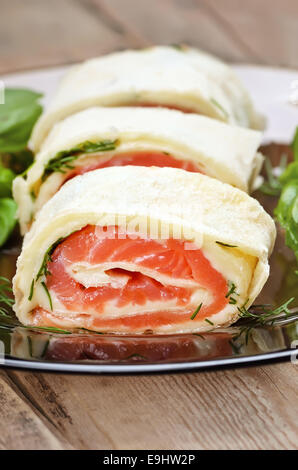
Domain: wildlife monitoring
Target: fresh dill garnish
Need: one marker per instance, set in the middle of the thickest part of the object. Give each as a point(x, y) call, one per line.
point(43, 270)
point(48, 294)
point(31, 290)
point(231, 291)
point(196, 312)
point(209, 321)
point(243, 330)
point(64, 159)
point(264, 314)
point(272, 186)
point(226, 244)
point(6, 302)
point(200, 336)
point(219, 106)
point(50, 329)
point(92, 331)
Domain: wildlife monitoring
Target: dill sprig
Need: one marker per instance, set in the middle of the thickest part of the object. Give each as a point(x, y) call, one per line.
point(259, 316)
point(64, 159)
point(49, 329)
point(264, 314)
point(196, 311)
point(225, 244)
point(48, 294)
point(6, 302)
point(43, 270)
point(231, 292)
point(219, 106)
point(272, 186)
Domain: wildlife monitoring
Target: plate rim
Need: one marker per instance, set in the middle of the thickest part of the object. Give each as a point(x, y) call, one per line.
point(144, 368)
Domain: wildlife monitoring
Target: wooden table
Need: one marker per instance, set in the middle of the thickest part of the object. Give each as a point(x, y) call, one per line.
point(245, 408)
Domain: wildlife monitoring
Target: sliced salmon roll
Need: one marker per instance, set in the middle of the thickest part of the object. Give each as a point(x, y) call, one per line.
point(133, 250)
point(173, 77)
point(104, 137)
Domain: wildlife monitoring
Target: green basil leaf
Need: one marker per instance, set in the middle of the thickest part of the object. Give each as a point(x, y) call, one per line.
point(290, 173)
point(8, 210)
point(287, 214)
point(6, 178)
point(295, 145)
point(17, 117)
point(286, 200)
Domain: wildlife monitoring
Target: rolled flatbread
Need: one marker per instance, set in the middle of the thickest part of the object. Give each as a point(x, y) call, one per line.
point(175, 77)
point(136, 250)
point(102, 137)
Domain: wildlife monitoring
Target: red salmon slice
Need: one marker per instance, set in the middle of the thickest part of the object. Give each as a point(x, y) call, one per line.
point(144, 158)
point(166, 257)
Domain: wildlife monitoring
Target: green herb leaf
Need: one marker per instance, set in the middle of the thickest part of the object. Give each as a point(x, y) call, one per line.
point(31, 290)
point(196, 312)
point(294, 145)
point(8, 210)
point(284, 183)
point(6, 179)
point(48, 294)
point(50, 329)
point(200, 336)
point(264, 314)
point(231, 291)
point(209, 321)
point(286, 211)
point(226, 244)
point(63, 160)
point(43, 270)
point(17, 117)
point(219, 106)
point(272, 186)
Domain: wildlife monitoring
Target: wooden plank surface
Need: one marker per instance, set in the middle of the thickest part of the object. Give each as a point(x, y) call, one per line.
point(38, 33)
point(247, 408)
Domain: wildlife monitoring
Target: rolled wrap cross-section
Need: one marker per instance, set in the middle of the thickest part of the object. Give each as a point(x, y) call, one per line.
point(101, 137)
point(182, 78)
point(133, 249)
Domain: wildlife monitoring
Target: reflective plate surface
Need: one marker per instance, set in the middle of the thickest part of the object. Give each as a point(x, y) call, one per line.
point(242, 343)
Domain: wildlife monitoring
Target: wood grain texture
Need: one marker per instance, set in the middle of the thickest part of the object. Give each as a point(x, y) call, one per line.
point(21, 426)
point(248, 408)
point(38, 33)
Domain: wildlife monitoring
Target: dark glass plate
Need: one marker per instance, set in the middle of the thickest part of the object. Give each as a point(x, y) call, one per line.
point(84, 351)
